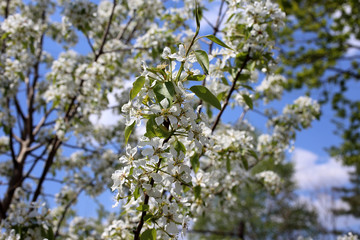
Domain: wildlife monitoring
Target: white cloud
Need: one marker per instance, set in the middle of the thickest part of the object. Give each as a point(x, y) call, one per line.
point(107, 117)
point(310, 174)
point(315, 180)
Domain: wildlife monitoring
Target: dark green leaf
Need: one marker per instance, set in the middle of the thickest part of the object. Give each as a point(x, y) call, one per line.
point(245, 163)
point(197, 16)
point(247, 87)
point(197, 191)
point(137, 85)
point(217, 41)
point(244, 77)
point(204, 94)
point(248, 101)
point(148, 234)
point(137, 193)
point(128, 131)
point(179, 146)
point(228, 165)
point(164, 90)
point(203, 60)
point(153, 130)
point(143, 207)
point(195, 163)
point(148, 217)
point(196, 77)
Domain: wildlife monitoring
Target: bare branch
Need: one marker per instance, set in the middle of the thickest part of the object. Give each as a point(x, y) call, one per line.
point(122, 33)
point(247, 58)
point(18, 109)
point(107, 29)
point(342, 71)
point(42, 122)
point(68, 205)
point(90, 44)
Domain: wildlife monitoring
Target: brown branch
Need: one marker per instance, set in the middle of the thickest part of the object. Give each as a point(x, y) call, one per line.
point(41, 122)
point(121, 35)
point(107, 29)
point(342, 71)
point(247, 58)
point(127, 49)
point(90, 44)
point(18, 108)
point(217, 24)
point(132, 34)
point(146, 201)
point(55, 146)
point(68, 205)
point(216, 30)
point(17, 138)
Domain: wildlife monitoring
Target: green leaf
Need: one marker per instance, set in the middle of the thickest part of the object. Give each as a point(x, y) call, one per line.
point(228, 165)
point(153, 130)
point(197, 16)
point(247, 87)
point(197, 191)
point(5, 35)
point(179, 146)
point(143, 207)
point(137, 85)
point(195, 163)
point(248, 101)
point(251, 66)
point(148, 234)
point(203, 60)
point(253, 153)
point(245, 163)
point(164, 90)
point(148, 217)
point(196, 77)
point(244, 77)
point(224, 81)
point(204, 94)
point(128, 131)
point(137, 193)
point(217, 41)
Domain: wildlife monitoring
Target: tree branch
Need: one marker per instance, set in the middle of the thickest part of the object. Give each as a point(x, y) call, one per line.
point(247, 58)
point(107, 29)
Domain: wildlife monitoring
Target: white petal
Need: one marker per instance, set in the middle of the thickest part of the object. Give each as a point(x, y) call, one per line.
point(147, 152)
point(157, 177)
point(173, 120)
point(159, 120)
point(164, 103)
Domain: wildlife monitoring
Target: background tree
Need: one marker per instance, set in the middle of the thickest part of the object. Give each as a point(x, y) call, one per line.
point(260, 214)
point(320, 49)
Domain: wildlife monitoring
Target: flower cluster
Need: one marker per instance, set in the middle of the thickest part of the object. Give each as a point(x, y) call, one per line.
point(26, 220)
point(270, 179)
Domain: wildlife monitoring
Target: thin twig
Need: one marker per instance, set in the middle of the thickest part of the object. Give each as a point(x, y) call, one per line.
point(247, 58)
point(107, 30)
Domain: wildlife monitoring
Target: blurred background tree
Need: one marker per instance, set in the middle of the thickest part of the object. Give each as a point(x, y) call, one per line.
point(261, 215)
point(320, 52)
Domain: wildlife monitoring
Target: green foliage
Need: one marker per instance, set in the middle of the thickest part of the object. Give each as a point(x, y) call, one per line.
point(204, 94)
point(320, 51)
point(282, 217)
point(128, 131)
point(203, 60)
point(149, 234)
point(217, 41)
